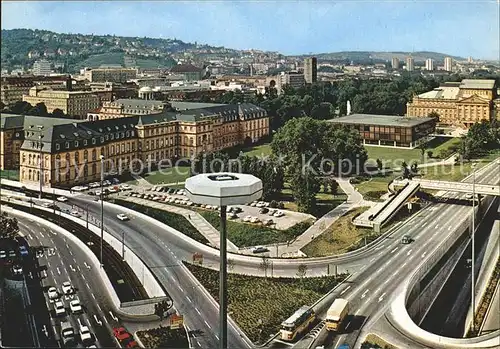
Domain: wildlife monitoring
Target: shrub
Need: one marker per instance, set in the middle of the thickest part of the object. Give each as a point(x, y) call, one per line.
point(242, 234)
point(164, 337)
point(281, 205)
point(273, 204)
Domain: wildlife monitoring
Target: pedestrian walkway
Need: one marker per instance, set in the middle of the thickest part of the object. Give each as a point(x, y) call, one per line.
point(197, 220)
point(354, 199)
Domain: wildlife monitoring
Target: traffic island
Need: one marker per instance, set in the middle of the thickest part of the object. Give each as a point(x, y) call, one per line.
point(260, 304)
point(164, 337)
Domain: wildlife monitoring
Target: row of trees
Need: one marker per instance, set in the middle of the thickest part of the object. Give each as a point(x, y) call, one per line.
point(325, 100)
point(8, 226)
point(481, 139)
point(25, 108)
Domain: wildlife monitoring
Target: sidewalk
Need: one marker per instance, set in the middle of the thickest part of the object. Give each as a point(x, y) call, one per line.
point(354, 199)
point(205, 228)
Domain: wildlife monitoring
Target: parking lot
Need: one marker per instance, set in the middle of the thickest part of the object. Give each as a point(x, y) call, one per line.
point(254, 213)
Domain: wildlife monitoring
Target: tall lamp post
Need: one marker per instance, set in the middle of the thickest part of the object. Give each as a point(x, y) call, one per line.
point(102, 205)
point(223, 189)
point(473, 286)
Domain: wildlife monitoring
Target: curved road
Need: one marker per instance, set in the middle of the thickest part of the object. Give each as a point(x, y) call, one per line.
point(378, 271)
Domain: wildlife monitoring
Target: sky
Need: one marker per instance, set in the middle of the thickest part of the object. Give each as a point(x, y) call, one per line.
point(458, 27)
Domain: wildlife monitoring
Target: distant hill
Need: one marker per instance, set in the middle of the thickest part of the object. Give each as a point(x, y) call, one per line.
point(357, 56)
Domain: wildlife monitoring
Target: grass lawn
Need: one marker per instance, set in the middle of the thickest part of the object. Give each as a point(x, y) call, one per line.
point(173, 175)
point(259, 150)
point(10, 174)
point(375, 187)
point(374, 341)
point(173, 220)
point(339, 237)
point(445, 149)
point(164, 337)
point(245, 234)
point(270, 300)
point(325, 201)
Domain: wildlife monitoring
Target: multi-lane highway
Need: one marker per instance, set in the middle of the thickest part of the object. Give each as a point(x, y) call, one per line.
point(376, 272)
point(379, 270)
point(60, 260)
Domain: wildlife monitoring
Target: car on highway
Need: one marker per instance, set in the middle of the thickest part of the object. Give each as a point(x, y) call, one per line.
point(62, 199)
point(85, 334)
point(259, 249)
point(121, 334)
point(17, 269)
point(52, 293)
point(3, 254)
point(67, 288)
point(12, 254)
point(122, 217)
point(125, 187)
point(23, 250)
point(406, 239)
point(74, 213)
point(59, 308)
point(67, 333)
point(75, 306)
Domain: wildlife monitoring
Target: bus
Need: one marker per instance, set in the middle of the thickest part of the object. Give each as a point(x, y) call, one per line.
point(336, 314)
point(297, 324)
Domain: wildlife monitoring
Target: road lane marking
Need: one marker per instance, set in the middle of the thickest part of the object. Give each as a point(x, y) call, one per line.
point(381, 298)
point(216, 336)
point(208, 325)
point(409, 252)
point(97, 320)
point(404, 264)
point(48, 264)
point(58, 271)
point(113, 316)
point(99, 307)
point(423, 254)
point(197, 311)
point(180, 288)
point(394, 249)
point(189, 299)
point(87, 285)
point(371, 260)
point(43, 236)
point(86, 265)
point(71, 253)
point(379, 247)
point(364, 294)
point(71, 267)
point(92, 294)
point(348, 287)
point(29, 236)
point(83, 276)
point(78, 267)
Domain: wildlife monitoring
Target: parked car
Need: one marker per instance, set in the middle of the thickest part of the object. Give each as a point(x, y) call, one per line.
point(255, 220)
point(260, 204)
point(85, 334)
point(272, 212)
point(264, 210)
point(268, 222)
point(259, 249)
point(74, 213)
point(17, 269)
point(125, 187)
point(406, 240)
point(62, 199)
point(247, 219)
point(278, 214)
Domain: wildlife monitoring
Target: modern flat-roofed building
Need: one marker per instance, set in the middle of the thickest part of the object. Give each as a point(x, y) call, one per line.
point(310, 70)
point(41, 67)
point(389, 130)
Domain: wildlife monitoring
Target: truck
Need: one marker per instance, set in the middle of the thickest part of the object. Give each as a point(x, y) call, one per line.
point(67, 333)
point(336, 314)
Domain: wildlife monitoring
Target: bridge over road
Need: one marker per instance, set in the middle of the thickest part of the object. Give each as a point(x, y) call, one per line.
point(461, 187)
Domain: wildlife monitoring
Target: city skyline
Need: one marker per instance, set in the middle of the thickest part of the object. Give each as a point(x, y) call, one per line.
point(290, 28)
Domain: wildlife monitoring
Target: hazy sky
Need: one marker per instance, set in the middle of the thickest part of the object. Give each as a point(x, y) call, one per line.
point(463, 28)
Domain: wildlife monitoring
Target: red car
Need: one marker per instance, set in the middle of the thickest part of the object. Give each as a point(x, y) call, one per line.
point(132, 344)
point(121, 334)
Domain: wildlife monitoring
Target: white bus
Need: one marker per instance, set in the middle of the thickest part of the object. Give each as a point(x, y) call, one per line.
point(297, 324)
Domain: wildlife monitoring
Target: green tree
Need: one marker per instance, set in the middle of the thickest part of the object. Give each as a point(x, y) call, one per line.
point(162, 307)
point(334, 187)
point(380, 165)
point(8, 226)
point(265, 264)
point(302, 270)
point(58, 113)
point(434, 114)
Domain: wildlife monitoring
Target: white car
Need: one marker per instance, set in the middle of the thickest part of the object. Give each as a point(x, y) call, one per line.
point(67, 288)
point(17, 269)
point(3, 254)
point(94, 184)
point(247, 218)
point(253, 204)
point(52, 293)
point(75, 213)
point(59, 308)
point(62, 199)
point(255, 220)
point(85, 334)
point(260, 204)
point(278, 214)
point(125, 187)
point(122, 217)
point(75, 306)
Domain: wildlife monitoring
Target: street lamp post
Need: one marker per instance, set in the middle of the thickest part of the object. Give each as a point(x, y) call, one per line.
point(102, 205)
point(473, 288)
point(223, 189)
